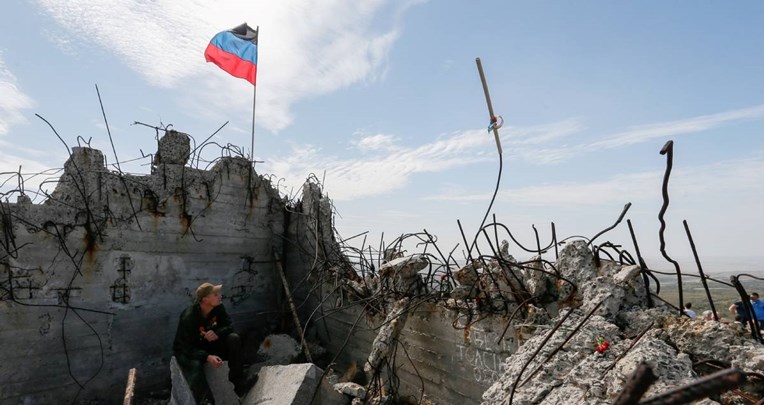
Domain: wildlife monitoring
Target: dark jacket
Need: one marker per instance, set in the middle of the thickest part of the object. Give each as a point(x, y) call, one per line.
point(741, 311)
point(192, 325)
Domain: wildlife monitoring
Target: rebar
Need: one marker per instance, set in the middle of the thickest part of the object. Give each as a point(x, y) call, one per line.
point(639, 382)
point(699, 389)
point(667, 149)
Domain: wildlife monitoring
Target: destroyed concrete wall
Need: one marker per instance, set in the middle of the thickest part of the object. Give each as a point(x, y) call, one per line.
point(448, 356)
point(449, 348)
point(93, 280)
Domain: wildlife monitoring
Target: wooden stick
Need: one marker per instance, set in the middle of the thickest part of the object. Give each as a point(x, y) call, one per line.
point(292, 307)
point(488, 103)
point(129, 390)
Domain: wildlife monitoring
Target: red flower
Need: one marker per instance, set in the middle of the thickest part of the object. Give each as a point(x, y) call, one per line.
point(601, 344)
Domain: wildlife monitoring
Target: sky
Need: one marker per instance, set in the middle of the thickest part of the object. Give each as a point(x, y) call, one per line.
point(383, 103)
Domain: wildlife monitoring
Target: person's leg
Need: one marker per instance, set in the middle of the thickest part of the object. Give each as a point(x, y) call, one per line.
point(234, 354)
point(230, 349)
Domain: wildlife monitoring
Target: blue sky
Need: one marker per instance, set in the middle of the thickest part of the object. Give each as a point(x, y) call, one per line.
point(382, 100)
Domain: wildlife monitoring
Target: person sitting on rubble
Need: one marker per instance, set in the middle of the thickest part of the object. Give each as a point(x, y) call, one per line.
point(688, 311)
point(708, 315)
point(206, 335)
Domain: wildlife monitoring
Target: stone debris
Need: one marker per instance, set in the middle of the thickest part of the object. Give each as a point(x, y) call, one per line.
point(291, 384)
point(579, 374)
point(402, 274)
point(352, 389)
point(280, 349)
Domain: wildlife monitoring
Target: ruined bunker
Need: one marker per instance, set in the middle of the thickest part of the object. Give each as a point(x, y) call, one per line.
point(92, 281)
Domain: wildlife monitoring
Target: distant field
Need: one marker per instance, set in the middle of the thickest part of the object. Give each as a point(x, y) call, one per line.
point(693, 291)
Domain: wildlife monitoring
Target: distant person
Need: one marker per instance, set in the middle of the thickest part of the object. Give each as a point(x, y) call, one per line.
point(757, 306)
point(738, 310)
point(205, 335)
point(708, 315)
point(688, 311)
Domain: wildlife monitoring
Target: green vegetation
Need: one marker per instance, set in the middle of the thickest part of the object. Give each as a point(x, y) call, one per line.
point(693, 291)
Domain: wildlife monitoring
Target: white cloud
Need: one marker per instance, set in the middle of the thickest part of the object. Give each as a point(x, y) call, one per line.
point(673, 128)
point(12, 100)
point(306, 47)
point(537, 134)
point(721, 177)
point(378, 142)
point(638, 134)
point(390, 170)
point(387, 166)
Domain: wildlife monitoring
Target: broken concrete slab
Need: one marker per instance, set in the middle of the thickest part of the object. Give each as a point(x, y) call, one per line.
point(285, 385)
point(222, 389)
point(181, 393)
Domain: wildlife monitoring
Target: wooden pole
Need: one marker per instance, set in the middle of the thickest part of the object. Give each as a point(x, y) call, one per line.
point(130, 388)
point(292, 307)
point(492, 119)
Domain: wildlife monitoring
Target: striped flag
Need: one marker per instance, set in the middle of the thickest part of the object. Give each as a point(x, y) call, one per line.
point(236, 52)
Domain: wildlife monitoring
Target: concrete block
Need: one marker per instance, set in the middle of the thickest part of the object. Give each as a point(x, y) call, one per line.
point(281, 349)
point(285, 385)
point(276, 350)
point(181, 393)
point(352, 389)
point(222, 389)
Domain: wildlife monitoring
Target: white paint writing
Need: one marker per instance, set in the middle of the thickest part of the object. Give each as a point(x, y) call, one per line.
point(483, 354)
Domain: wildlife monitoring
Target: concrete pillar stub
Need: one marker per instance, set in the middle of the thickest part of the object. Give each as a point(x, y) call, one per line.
point(174, 149)
point(84, 160)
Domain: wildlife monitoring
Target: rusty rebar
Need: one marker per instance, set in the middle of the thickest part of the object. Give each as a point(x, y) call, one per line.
point(638, 383)
point(538, 349)
point(624, 353)
point(667, 150)
point(555, 239)
point(754, 325)
point(643, 267)
point(560, 346)
point(700, 388)
point(618, 220)
point(701, 271)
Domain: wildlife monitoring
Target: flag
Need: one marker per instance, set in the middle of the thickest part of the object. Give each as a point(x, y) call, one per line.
point(236, 52)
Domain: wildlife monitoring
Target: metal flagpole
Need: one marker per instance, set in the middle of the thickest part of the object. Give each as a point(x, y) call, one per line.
point(254, 98)
point(252, 137)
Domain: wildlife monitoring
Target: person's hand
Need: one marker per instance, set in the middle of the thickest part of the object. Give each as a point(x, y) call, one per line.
point(214, 361)
point(210, 336)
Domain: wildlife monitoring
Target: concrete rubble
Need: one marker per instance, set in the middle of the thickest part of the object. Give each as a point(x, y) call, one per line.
point(578, 374)
point(292, 384)
point(110, 255)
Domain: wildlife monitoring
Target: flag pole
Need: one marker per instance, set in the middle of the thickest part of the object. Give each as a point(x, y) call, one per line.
point(252, 136)
point(254, 98)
